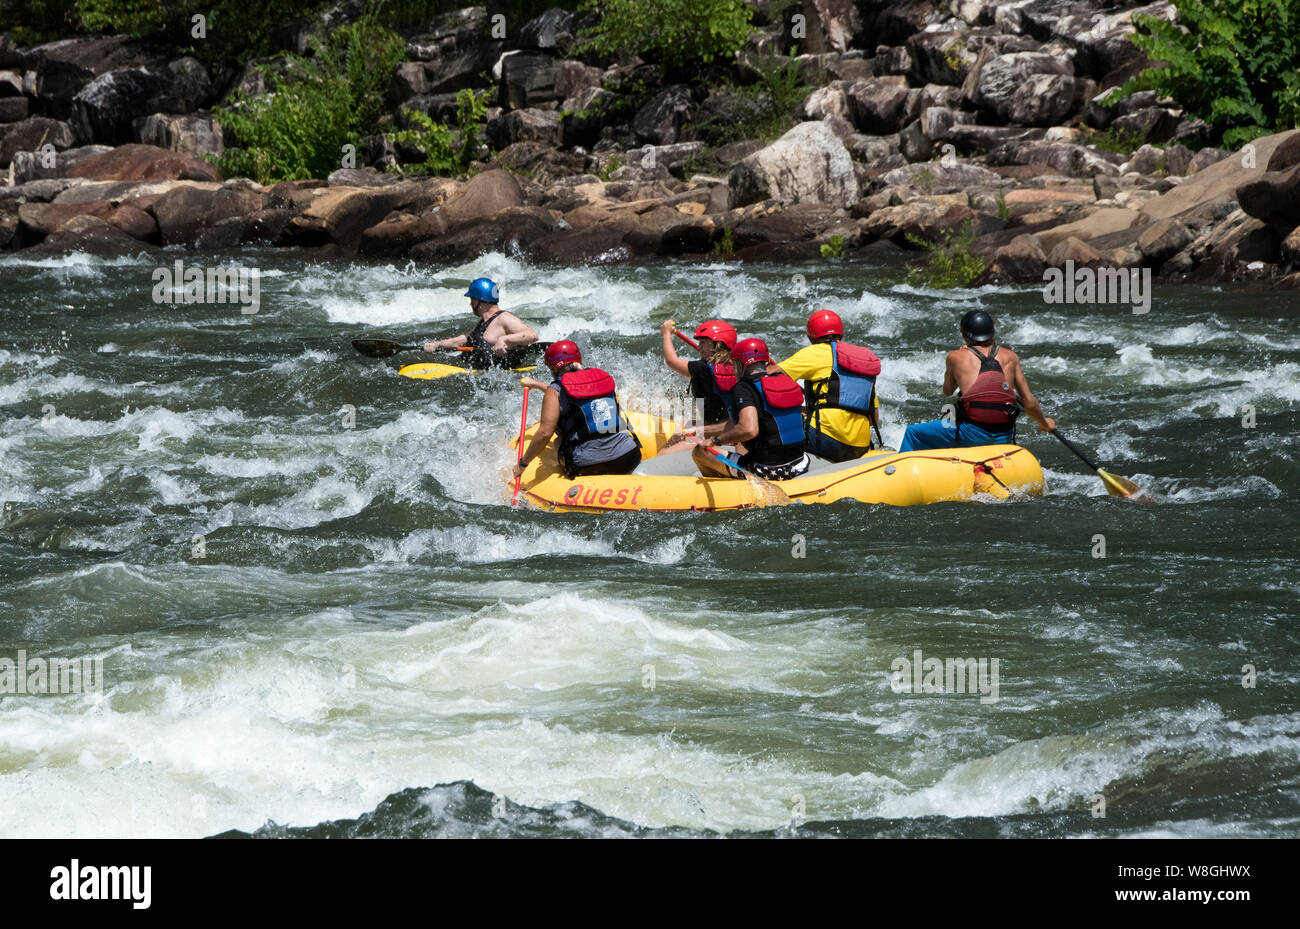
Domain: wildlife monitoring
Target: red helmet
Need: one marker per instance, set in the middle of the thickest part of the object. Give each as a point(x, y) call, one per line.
point(824, 323)
point(564, 352)
point(718, 331)
point(750, 352)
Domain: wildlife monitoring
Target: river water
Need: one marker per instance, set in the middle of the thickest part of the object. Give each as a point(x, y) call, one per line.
point(313, 602)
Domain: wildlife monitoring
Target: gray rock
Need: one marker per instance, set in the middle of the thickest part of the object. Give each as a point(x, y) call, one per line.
point(13, 109)
point(530, 125)
point(547, 30)
point(878, 106)
point(943, 177)
point(807, 164)
point(994, 79)
point(527, 79)
point(196, 134)
point(30, 135)
point(661, 120)
point(1152, 124)
point(1044, 100)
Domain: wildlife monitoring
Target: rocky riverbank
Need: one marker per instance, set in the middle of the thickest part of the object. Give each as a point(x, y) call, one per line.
point(921, 119)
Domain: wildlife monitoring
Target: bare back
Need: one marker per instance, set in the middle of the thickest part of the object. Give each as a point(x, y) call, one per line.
point(963, 367)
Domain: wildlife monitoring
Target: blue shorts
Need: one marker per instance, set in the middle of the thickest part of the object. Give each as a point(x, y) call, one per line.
point(941, 433)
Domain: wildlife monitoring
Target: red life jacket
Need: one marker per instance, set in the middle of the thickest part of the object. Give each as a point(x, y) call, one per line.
point(852, 381)
point(724, 378)
point(990, 402)
point(588, 407)
point(783, 399)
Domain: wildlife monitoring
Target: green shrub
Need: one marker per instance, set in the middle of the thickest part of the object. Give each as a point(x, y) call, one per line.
point(447, 150)
point(769, 104)
point(833, 248)
point(725, 248)
point(1232, 63)
point(314, 108)
point(676, 33)
point(950, 263)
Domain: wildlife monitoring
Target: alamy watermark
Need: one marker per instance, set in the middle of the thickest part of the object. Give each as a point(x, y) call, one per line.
point(945, 676)
point(1099, 285)
point(51, 675)
point(229, 284)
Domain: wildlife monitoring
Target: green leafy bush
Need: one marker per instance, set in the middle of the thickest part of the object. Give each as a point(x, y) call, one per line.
point(766, 108)
point(447, 150)
point(1232, 63)
point(950, 263)
point(314, 108)
point(833, 248)
point(675, 33)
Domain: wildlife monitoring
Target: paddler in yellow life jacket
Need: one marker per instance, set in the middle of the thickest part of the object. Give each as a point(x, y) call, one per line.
point(993, 393)
point(711, 375)
point(840, 383)
point(581, 406)
point(497, 331)
point(768, 421)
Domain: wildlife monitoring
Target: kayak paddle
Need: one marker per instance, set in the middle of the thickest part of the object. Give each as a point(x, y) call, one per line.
point(432, 370)
point(523, 427)
point(383, 348)
point(1116, 485)
point(685, 338)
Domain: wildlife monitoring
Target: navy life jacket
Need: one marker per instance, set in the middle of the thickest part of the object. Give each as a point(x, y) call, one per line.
point(852, 382)
point(588, 407)
point(990, 402)
point(782, 399)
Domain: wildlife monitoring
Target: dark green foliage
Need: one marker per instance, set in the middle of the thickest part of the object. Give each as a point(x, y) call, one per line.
point(317, 106)
point(1233, 63)
point(447, 150)
point(676, 33)
point(951, 263)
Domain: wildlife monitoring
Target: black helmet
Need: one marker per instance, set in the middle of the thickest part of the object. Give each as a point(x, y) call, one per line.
point(977, 326)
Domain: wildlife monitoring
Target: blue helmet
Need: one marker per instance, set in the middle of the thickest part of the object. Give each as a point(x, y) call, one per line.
point(484, 289)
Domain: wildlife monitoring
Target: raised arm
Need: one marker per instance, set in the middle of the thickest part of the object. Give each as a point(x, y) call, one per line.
point(674, 360)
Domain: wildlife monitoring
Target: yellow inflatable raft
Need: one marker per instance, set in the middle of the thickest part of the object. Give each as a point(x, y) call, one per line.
point(672, 482)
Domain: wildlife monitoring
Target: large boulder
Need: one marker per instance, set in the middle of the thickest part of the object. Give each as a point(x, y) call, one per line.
point(515, 229)
point(30, 135)
point(527, 79)
point(194, 134)
point(61, 69)
point(144, 163)
point(1044, 100)
point(530, 125)
point(941, 177)
point(1273, 198)
point(31, 166)
point(1161, 240)
point(1098, 223)
point(923, 218)
point(808, 163)
point(91, 235)
point(40, 219)
point(14, 109)
point(879, 106)
point(106, 109)
point(1022, 260)
point(187, 211)
point(1062, 157)
point(1209, 190)
point(994, 80)
point(661, 120)
point(483, 196)
point(549, 30)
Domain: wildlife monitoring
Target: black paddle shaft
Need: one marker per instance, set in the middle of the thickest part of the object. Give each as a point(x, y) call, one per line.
point(1072, 447)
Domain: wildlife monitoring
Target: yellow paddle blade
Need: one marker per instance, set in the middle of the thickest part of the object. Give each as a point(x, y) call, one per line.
point(1118, 486)
point(765, 492)
point(432, 370)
